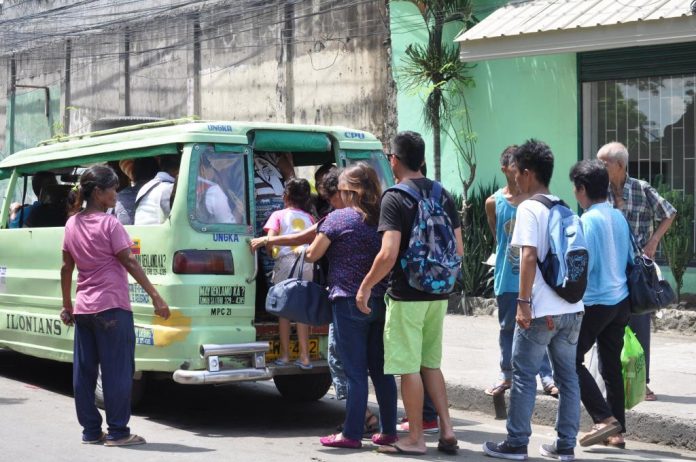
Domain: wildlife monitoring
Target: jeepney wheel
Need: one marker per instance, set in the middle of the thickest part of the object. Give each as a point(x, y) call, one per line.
point(305, 387)
point(137, 392)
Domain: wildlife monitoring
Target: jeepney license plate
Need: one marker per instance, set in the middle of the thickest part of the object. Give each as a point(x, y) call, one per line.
point(274, 349)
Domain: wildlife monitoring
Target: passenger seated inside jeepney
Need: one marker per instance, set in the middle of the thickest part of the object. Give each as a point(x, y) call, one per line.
point(19, 214)
point(220, 189)
point(139, 171)
point(152, 203)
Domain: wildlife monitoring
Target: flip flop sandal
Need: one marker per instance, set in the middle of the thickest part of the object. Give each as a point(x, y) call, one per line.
point(599, 434)
point(607, 442)
point(130, 440)
point(371, 425)
point(448, 447)
point(395, 449)
point(498, 389)
point(99, 440)
point(280, 362)
point(650, 395)
point(551, 390)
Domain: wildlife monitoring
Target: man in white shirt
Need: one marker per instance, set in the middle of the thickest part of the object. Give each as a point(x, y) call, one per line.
point(544, 320)
point(152, 204)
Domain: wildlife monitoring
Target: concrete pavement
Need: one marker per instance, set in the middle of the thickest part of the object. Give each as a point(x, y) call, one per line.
point(470, 364)
point(248, 422)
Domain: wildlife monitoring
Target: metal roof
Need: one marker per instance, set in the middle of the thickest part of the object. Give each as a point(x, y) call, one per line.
point(554, 26)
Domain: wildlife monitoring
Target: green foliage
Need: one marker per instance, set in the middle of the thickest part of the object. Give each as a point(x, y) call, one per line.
point(436, 67)
point(479, 243)
point(677, 243)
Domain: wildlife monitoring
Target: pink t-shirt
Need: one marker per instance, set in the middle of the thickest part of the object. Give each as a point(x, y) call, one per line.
point(93, 240)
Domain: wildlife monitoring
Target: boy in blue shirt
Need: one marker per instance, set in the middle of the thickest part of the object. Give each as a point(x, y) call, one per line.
point(607, 306)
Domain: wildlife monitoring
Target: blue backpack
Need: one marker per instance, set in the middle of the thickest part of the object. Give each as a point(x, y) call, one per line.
point(430, 262)
point(565, 266)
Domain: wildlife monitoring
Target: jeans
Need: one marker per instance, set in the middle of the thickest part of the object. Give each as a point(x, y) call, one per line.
point(640, 324)
point(105, 339)
point(559, 334)
point(429, 411)
point(338, 375)
point(361, 349)
point(604, 324)
point(507, 310)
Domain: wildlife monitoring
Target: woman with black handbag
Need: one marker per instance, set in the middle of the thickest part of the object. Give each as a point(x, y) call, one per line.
point(352, 231)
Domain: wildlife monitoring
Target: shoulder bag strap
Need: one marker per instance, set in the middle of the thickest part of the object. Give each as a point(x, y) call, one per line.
point(139, 199)
point(300, 259)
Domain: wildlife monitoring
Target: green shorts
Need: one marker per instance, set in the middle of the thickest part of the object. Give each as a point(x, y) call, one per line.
point(413, 335)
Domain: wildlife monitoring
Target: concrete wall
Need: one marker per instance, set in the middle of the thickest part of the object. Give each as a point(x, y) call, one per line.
point(310, 61)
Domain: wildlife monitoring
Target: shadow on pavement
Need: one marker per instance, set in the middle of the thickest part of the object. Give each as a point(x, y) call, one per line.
point(677, 399)
point(629, 454)
point(165, 447)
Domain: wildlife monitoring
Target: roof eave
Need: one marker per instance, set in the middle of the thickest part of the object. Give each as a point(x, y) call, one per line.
point(653, 32)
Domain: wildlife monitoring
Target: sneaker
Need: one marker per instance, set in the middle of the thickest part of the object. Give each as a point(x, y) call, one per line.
point(429, 426)
point(552, 452)
point(505, 451)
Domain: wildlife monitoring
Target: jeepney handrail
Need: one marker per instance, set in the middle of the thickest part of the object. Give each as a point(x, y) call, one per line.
point(252, 278)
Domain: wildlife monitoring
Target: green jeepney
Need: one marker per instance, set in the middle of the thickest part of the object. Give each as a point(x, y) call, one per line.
point(219, 331)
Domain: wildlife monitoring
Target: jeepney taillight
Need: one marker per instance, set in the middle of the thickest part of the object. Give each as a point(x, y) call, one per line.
point(203, 262)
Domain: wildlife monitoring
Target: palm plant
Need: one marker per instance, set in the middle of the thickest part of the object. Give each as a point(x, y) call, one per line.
point(437, 66)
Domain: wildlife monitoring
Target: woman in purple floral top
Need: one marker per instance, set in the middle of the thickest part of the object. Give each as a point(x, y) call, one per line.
point(350, 240)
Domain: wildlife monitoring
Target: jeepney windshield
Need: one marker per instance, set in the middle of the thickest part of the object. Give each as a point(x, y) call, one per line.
point(221, 192)
point(374, 159)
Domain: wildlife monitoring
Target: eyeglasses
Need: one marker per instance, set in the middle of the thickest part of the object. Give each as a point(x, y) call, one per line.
point(389, 156)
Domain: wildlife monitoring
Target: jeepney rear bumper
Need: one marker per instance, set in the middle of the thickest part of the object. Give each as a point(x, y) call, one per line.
point(254, 353)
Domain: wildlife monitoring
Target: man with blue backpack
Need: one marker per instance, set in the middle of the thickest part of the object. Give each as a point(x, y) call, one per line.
point(553, 277)
point(421, 248)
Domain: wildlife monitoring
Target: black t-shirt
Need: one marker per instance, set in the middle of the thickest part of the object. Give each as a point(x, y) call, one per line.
point(398, 213)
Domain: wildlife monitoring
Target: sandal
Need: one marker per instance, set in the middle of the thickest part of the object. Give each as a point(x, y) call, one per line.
point(448, 447)
point(498, 389)
point(615, 441)
point(551, 390)
point(649, 394)
point(99, 440)
point(332, 441)
point(130, 440)
point(371, 425)
point(382, 439)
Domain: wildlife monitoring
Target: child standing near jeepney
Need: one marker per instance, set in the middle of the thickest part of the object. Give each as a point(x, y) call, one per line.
point(295, 217)
point(98, 244)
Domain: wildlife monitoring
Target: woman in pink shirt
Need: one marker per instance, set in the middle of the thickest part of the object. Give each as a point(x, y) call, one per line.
point(104, 333)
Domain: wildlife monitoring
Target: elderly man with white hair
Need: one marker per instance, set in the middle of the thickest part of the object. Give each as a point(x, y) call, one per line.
point(642, 206)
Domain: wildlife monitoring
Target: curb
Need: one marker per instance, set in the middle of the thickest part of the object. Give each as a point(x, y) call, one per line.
point(642, 426)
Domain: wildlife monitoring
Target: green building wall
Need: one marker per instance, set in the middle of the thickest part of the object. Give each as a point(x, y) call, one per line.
point(513, 100)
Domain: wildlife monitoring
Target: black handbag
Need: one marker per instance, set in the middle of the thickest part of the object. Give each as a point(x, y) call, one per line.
point(298, 300)
point(647, 291)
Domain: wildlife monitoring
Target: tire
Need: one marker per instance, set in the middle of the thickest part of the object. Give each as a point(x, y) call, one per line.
point(306, 387)
point(137, 392)
point(108, 123)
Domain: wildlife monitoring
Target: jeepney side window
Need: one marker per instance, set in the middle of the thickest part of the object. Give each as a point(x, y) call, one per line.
point(377, 161)
point(45, 201)
point(221, 192)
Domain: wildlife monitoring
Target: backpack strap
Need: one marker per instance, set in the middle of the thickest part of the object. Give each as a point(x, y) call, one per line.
point(412, 192)
point(548, 203)
point(436, 192)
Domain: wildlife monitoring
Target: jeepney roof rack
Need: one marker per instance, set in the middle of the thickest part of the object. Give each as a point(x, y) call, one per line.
point(125, 128)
